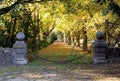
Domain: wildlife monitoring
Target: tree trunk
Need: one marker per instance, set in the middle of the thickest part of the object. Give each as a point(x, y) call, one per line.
point(73, 41)
point(68, 38)
point(64, 37)
point(7, 9)
point(13, 32)
point(84, 40)
point(85, 43)
point(78, 41)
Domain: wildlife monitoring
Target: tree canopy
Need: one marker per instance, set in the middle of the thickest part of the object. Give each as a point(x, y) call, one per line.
point(74, 20)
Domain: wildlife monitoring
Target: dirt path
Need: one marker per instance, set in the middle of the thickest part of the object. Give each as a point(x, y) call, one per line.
point(57, 47)
point(58, 51)
point(40, 70)
point(43, 71)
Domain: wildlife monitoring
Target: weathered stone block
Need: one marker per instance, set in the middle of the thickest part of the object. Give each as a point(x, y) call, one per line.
point(100, 49)
point(15, 55)
point(20, 50)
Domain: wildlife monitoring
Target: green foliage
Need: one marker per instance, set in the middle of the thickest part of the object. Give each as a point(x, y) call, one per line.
point(73, 9)
point(2, 38)
point(59, 36)
point(115, 8)
point(44, 43)
point(112, 5)
point(52, 38)
point(37, 19)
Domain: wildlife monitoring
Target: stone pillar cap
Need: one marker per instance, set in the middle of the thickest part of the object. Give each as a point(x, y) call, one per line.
point(100, 35)
point(20, 36)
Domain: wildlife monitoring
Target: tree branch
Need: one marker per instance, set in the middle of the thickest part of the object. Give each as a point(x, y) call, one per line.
point(8, 8)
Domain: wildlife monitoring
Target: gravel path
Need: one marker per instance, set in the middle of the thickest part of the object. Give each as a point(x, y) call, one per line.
point(64, 72)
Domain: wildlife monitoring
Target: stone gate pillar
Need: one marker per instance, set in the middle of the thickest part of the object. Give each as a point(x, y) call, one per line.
point(100, 49)
point(20, 49)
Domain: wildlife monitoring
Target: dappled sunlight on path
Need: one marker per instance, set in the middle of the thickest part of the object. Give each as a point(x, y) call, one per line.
point(57, 47)
point(57, 50)
point(44, 71)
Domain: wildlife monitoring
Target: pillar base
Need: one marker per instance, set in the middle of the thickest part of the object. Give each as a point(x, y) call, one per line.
point(20, 62)
point(100, 61)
